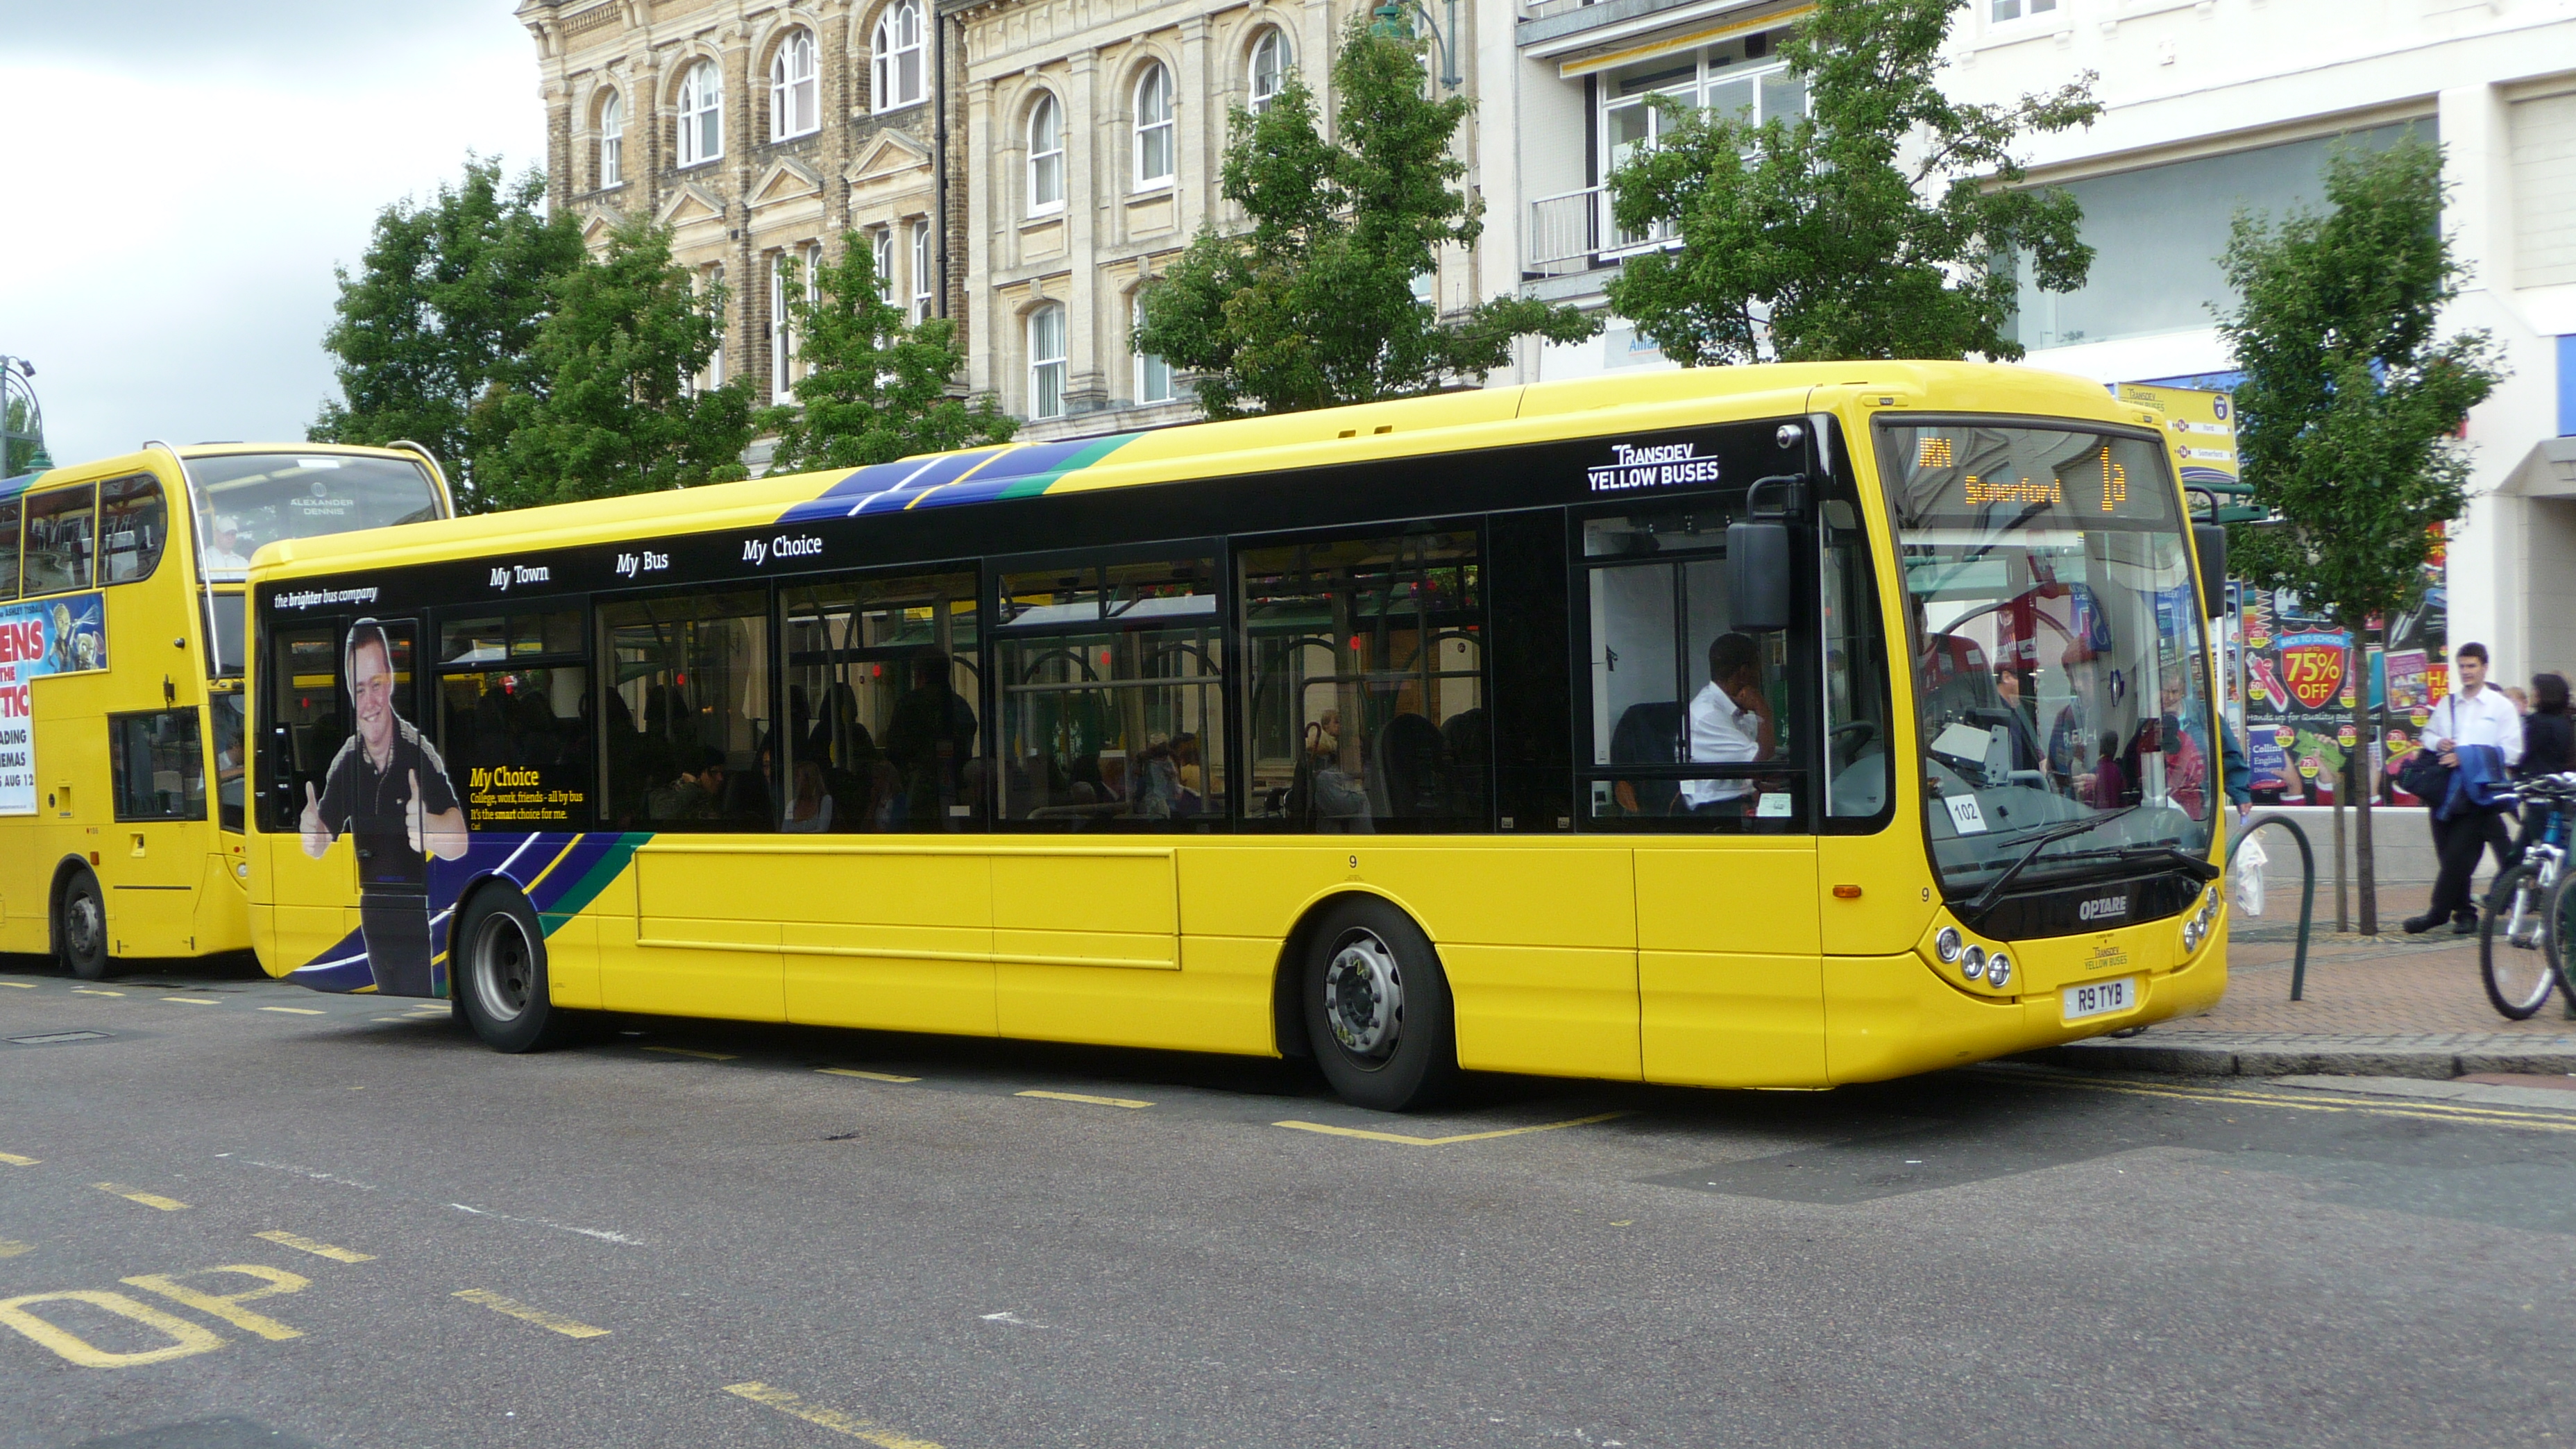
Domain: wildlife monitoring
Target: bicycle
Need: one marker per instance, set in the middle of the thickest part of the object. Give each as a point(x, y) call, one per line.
point(2526, 931)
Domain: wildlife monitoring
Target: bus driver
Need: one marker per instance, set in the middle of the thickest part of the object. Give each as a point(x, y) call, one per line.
point(388, 788)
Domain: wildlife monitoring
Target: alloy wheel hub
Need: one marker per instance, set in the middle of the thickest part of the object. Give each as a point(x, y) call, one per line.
point(1364, 997)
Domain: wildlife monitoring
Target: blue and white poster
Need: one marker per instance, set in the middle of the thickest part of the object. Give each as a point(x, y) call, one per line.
point(40, 637)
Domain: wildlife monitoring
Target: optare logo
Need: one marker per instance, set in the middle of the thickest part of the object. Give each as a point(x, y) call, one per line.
point(2103, 908)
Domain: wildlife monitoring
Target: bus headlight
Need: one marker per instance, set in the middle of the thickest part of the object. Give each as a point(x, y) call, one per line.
point(1973, 964)
point(1998, 969)
point(2202, 923)
point(1948, 945)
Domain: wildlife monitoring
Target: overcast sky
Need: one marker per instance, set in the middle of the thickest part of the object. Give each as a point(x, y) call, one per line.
point(184, 174)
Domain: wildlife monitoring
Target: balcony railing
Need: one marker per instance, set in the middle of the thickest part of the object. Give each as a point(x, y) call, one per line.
point(1573, 232)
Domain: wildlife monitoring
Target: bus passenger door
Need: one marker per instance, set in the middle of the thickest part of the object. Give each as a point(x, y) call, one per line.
point(153, 859)
point(312, 904)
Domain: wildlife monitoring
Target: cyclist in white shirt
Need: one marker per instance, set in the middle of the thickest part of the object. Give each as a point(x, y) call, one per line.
point(2472, 714)
point(1730, 723)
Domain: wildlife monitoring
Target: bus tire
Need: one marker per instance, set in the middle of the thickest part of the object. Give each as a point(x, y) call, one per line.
point(80, 926)
point(499, 975)
point(1377, 1008)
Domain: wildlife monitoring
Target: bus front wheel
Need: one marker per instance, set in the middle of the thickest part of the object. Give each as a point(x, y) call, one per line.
point(500, 978)
point(1377, 1008)
point(80, 927)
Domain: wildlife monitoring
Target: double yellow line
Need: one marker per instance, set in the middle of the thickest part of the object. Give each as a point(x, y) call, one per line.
point(2306, 1101)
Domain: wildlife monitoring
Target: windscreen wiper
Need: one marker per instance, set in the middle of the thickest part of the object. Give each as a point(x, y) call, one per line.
point(2195, 866)
point(2067, 831)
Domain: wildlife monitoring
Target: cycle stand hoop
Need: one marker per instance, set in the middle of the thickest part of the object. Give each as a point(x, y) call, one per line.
point(2307, 891)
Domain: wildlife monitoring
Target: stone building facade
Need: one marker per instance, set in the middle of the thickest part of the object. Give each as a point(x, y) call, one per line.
point(1094, 135)
point(757, 131)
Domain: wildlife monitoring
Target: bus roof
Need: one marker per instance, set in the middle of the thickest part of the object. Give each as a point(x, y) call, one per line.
point(140, 459)
point(1477, 418)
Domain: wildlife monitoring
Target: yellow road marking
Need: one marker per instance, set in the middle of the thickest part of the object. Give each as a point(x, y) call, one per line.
point(192, 1000)
point(228, 1306)
point(148, 1199)
point(871, 1076)
point(1367, 1136)
point(185, 1338)
point(85, 991)
point(14, 1160)
point(21, 985)
point(295, 1010)
point(2377, 1107)
point(1128, 1102)
point(832, 1419)
point(11, 1247)
point(568, 1327)
point(686, 1052)
point(317, 1249)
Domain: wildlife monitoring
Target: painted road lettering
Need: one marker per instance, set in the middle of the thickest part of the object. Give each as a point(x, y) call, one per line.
point(228, 1306)
point(185, 1338)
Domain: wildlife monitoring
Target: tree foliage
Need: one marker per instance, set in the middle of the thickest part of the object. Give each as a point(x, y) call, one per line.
point(445, 306)
point(2351, 396)
point(1869, 227)
point(23, 448)
point(608, 404)
point(1314, 306)
point(875, 389)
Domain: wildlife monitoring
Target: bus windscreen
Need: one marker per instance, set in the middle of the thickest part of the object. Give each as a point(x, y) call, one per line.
point(244, 500)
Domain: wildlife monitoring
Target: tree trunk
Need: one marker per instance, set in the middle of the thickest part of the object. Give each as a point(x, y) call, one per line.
point(2364, 732)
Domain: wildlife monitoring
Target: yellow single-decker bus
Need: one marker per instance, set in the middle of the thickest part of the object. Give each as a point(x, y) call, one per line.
point(1773, 726)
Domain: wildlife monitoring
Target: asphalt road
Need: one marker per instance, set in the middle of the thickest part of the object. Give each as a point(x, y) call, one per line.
point(353, 1226)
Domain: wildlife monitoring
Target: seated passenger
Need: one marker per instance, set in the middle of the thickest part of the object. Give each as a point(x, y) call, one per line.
point(693, 792)
point(809, 805)
point(1730, 724)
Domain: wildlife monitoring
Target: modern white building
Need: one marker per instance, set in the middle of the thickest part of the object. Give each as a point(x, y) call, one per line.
point(2210, 106)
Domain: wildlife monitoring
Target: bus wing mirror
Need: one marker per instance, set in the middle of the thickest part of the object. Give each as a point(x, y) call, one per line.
point(1757, 576)
point(1757, 555)
point(2209, 540)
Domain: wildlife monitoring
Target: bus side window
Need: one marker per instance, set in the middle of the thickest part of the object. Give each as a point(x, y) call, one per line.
point(229, 757)
point(306, 721)
point(1367, 697)
point(9, 549)
point(1694, 725)
point(157, 764)
point(59, 539)
point(884, 677)
point(133, 524)
point(687, 717)
point(1857, 740)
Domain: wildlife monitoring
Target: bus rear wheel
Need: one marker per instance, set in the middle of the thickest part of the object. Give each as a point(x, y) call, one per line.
point(500, 975)
point(80, 927)
point(1377, 1008)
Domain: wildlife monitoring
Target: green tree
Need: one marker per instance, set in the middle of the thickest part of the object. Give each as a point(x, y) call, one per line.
point(875, 389)
point(445, 306)
point(1881, 223)
point(30, 441)
point(609, 405)
point(1314, 306)
point(2351, 398)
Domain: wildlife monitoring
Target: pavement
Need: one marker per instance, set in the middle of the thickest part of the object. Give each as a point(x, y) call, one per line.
point(2387, 1006)
point(233, 1213)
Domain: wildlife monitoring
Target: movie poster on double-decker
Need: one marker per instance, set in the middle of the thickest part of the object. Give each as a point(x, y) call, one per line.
point(38, 638)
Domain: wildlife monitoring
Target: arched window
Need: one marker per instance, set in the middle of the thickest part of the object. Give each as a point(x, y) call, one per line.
point(1153, 374)
point(1153, 127)
point(612, 139)
point(1269, 67)
point(897, 49)
point(1046, 361)
point(1046, 156)
point(701, 114)
point(922, 275)
point(881, 251)
point(795, 96)
point(782, 332)
point(711, 288)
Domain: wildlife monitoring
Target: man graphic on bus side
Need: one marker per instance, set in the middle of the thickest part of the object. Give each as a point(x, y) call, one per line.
point(388, 787)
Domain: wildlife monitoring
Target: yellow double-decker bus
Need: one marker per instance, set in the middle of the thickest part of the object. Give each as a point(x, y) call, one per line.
point(123, 756)
point(1768, 727)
